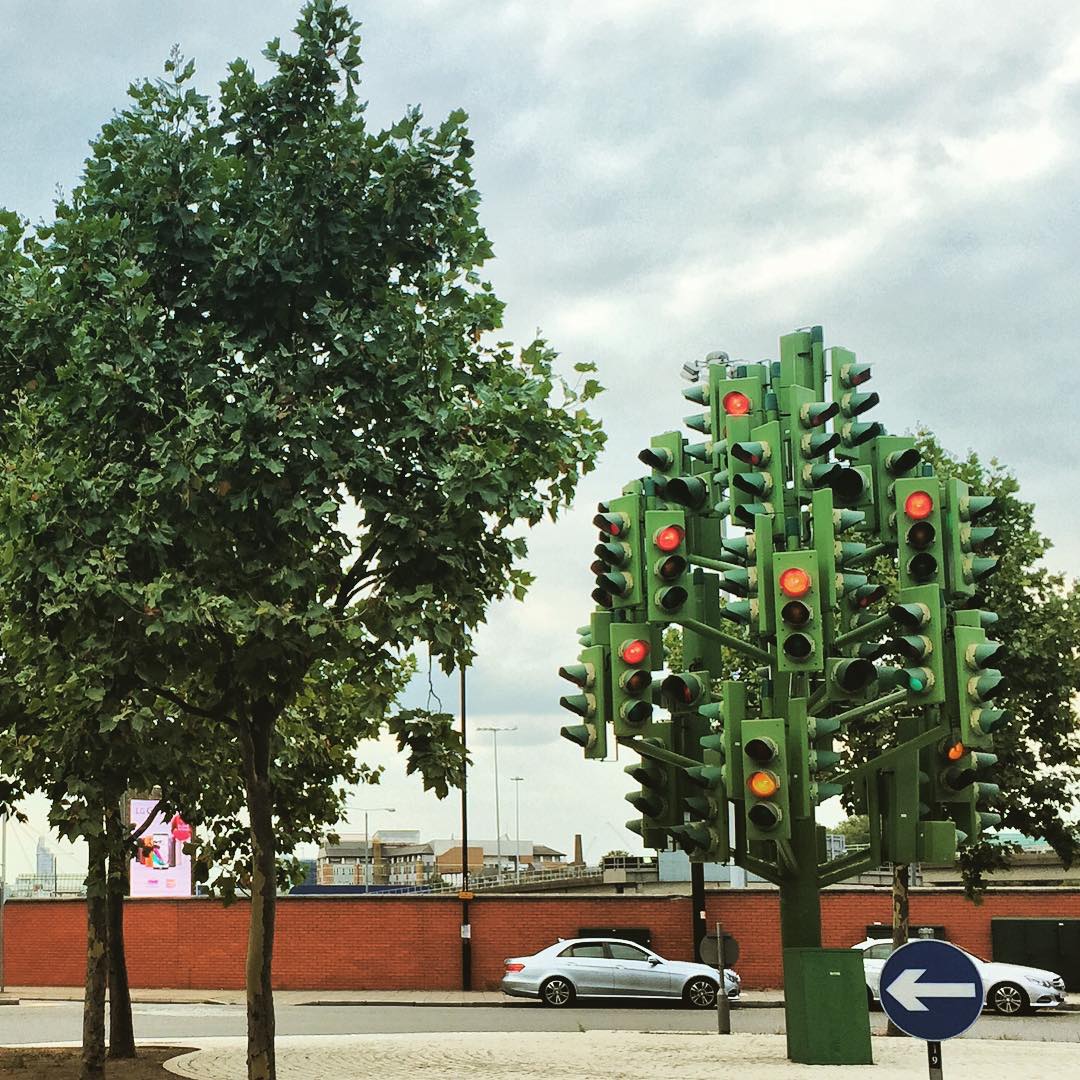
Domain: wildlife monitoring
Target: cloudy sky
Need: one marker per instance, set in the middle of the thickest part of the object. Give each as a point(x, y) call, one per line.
point(661, 180)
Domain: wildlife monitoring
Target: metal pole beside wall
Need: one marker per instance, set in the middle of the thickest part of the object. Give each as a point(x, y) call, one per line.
point(465, 895)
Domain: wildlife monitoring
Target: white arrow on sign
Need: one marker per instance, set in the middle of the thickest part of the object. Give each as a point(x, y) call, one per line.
point(907, 989)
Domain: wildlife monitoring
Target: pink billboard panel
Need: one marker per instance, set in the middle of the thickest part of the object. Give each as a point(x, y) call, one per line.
point(160, 866)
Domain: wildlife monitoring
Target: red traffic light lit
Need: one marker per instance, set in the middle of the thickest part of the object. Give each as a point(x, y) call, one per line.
point(955, 751)
point(736, 403)
point(795, 581)
point(634, 652)
point(669, 538)
point(919, 505)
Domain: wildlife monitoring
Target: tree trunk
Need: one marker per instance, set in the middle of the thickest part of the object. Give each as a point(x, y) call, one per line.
point(93, 1040)
point(121, 1029)
point(899, 917)
point(255, 742)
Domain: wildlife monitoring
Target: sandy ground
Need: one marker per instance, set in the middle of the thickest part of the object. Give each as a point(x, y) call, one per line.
point(613, 1055)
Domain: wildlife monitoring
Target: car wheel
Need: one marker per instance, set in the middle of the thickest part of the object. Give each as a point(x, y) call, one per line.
point(556, 992)
point(1007, 999)
point(700, 993)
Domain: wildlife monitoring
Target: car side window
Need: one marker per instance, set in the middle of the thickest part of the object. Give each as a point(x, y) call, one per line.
point(880, 952)
point(626, 952)
point(593, 949)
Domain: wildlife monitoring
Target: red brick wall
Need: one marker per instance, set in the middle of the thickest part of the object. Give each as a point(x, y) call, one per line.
point(391, 943)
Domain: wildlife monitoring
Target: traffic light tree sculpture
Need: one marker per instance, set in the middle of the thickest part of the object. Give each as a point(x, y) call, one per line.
point(756, 537)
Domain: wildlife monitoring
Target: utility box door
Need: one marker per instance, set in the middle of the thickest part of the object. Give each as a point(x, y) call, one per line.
point(1052, 944)
point(828, 1021)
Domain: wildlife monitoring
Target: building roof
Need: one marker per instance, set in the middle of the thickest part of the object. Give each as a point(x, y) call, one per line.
point(407, 851)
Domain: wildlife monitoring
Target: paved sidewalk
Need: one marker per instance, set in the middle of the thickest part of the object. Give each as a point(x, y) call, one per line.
point(608, 1055)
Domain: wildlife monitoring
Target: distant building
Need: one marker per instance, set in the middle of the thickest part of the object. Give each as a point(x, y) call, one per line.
point(45, 861)
point(399, 857)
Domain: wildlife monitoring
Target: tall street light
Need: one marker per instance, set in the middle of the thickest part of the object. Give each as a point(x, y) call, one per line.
point(365, 810)
point(498, 827)
point(517, 827)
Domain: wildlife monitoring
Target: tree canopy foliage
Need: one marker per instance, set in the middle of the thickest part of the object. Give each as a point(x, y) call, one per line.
point(259, 438)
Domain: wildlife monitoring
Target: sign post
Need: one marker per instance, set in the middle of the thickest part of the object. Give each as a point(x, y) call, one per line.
point(931, 990)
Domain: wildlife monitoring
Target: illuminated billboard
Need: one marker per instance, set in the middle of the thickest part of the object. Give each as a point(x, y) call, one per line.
point(160, 866)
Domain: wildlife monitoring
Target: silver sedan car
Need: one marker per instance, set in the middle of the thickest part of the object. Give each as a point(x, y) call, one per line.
point(593, 967)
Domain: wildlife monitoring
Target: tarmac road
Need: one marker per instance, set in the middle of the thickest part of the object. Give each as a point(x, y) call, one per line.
point(61, 1021)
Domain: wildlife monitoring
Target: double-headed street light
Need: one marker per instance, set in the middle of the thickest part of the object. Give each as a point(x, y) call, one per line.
point(498, 827)
point(517, 827)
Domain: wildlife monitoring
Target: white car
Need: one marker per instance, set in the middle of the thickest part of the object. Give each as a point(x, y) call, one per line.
point(607, 967)
point(1010, 988)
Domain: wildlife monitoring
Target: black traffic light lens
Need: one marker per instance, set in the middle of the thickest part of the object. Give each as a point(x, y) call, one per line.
point(637, 682)
point(795, 613)
point(686, 491)
point(638, 712)
point(674, 566)
point(847, 485)
point(923, 566)
point(764, 815)
point(760, 750)
point(921, 535)
point(798, 647)
point(673, 598)
point(602, 597)
point(857, 674)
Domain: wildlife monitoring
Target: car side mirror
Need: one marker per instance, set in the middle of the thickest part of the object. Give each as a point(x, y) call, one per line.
point(654, 960)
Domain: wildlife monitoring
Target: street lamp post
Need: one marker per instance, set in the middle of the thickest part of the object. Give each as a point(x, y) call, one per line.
point(517, 827)
point(498, 827)
point(365, 810)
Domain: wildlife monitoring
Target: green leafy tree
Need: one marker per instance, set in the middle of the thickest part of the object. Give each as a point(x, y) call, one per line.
point(1039, 622)
point(855, 829)
point(259, 437)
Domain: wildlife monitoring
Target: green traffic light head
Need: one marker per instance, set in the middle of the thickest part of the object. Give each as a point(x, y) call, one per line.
point(697, 393)
point(579, 734)
point(854, 434)
point(701, 451)
point(613, 553)
point(646, 803)
point(758, 484)
point(699, 422)
point(751, 453)
point(848, 485)
point(847, 519)
point(915, 648)
point(816, 413)
point(739, 611)
point(987, 721)
point(582, 704)
point(981, 655)
point(657, 457)
point(900, 462)
point(823, 474)
point(910, 617)
point(974, 506)
point(986, 686)
point(739, 582)
point(578, 674)
point(854, 374)
point(855, 404)
point(819, 443)
point(739, 547)
point(689, 491)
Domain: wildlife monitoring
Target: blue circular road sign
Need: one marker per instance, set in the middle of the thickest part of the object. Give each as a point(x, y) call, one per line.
point(931, 990)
